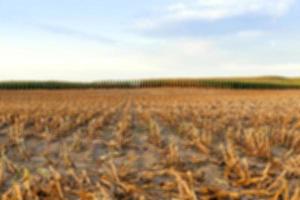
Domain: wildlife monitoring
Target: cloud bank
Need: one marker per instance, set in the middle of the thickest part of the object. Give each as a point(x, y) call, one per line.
point(213, 10)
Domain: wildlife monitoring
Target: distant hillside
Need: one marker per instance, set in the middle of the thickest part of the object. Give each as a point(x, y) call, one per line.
point(267, 82)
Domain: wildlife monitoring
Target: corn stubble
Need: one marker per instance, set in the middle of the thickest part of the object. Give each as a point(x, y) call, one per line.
point(149, 144)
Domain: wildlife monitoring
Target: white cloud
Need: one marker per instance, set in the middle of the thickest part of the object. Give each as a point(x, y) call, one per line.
point(71, 60)
point(256, 69)
point(250, 33)
point(173, 57)
point(212, 10)
point(78, 60)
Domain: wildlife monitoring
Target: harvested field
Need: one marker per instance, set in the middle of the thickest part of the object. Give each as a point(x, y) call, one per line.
point(183, 144)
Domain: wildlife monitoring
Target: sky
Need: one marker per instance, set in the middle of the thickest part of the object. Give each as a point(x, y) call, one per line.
point(88, 40)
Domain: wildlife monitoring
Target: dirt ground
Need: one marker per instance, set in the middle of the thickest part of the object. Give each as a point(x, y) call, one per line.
point(150, 144)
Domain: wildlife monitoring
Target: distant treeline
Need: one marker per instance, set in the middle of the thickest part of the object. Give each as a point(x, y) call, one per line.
point(230, 83)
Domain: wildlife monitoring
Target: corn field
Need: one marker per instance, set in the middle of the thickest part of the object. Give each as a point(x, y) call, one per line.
point(227, 83)
point(173, 144)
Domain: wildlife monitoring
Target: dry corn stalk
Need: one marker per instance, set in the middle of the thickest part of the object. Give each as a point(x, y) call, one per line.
point(154, 133)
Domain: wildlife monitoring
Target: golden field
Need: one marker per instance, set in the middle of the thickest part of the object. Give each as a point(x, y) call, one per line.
point(154, 144)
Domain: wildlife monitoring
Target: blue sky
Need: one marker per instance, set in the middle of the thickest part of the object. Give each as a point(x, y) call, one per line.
point(92, 40)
